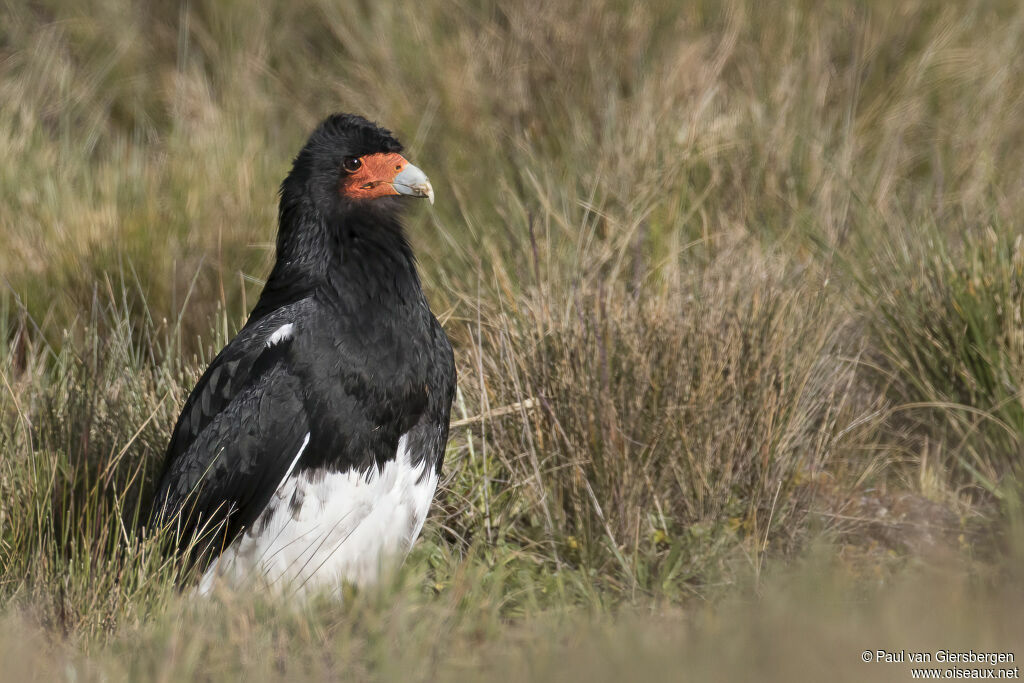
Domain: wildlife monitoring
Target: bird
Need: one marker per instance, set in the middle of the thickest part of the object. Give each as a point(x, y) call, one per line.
point(308, 453)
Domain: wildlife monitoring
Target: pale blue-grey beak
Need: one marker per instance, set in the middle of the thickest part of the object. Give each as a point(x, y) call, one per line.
point(412, 181)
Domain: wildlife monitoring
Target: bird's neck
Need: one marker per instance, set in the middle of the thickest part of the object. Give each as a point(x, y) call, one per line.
point(354, 260)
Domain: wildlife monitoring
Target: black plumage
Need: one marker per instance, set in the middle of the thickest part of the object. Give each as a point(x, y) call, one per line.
point(340, 358)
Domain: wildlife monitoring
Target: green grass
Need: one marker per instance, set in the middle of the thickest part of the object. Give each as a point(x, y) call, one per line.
point(733, 288)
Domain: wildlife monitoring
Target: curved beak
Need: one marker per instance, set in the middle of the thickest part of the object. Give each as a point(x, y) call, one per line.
point(413, 182)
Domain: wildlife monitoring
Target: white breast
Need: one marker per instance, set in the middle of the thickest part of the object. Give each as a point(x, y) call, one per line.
point(322, 528)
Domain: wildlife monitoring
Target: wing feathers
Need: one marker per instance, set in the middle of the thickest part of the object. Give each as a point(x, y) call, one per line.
point(240, 432)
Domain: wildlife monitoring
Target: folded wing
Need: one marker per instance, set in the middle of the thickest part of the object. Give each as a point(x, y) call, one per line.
point(241, 431)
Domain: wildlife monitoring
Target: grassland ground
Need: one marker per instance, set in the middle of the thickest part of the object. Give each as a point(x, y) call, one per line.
point(735, 291)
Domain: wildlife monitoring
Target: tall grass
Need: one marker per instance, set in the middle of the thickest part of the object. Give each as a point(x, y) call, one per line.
point(725, 281)
point(949, 336)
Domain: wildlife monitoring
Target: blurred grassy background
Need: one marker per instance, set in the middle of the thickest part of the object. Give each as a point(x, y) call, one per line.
point(728, 283)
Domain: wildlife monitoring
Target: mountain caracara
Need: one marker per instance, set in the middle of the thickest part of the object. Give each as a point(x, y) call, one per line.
point(310, 449)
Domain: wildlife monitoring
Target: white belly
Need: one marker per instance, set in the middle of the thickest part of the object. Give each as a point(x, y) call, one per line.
point(323, 528)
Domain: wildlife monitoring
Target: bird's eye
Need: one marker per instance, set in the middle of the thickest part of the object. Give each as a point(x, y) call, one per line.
point(351, 164)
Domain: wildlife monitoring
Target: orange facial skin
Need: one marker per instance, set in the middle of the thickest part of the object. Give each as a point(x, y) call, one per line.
point(374, 177)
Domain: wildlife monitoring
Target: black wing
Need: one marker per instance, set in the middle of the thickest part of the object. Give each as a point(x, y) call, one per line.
point(240, 432)
point(429, 437)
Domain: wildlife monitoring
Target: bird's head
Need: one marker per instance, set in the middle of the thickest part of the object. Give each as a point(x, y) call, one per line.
point(348, 163)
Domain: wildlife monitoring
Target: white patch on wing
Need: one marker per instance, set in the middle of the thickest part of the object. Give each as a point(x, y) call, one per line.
point(324, 527)
point(281, 334)
point(295, 460)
